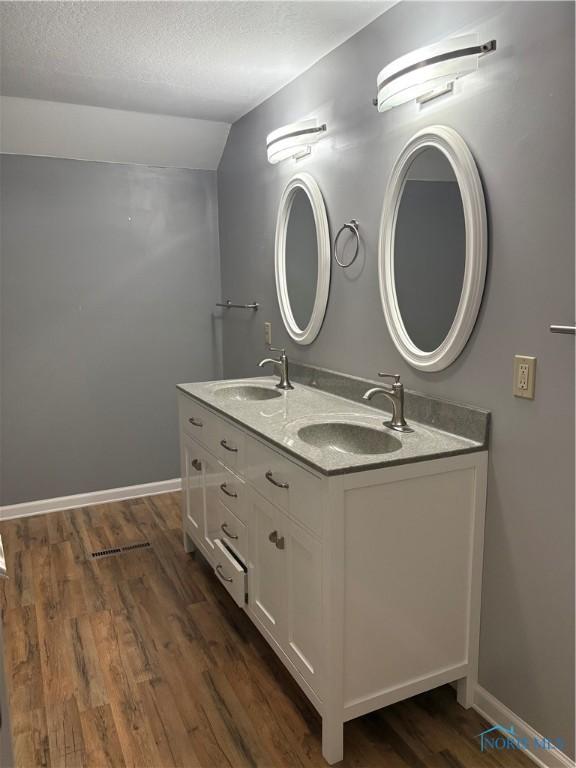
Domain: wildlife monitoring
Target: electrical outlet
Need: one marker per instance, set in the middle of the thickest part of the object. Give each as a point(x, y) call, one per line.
point(268, 333)
point(524, 376)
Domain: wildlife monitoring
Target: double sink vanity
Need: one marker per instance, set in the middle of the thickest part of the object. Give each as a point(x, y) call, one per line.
point(354, 547)
point(352, 539)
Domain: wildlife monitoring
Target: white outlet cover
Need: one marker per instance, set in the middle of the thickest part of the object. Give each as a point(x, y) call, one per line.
point(524, 376)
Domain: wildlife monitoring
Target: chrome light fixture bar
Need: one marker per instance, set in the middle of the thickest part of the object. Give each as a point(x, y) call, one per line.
point(429, 72)
point(294, 140)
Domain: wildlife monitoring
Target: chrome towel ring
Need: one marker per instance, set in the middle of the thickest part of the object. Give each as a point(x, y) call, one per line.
point(353, 226)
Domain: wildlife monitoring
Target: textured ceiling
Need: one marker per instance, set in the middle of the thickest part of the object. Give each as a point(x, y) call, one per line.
point(211, 60)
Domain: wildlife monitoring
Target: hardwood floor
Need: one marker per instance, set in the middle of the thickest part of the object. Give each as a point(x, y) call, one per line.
point(141, 659)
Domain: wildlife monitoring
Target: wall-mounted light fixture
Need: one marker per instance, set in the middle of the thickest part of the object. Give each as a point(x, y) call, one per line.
point(429, 72)
point(294, 140)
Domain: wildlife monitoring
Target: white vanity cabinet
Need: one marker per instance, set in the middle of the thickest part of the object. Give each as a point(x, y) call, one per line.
point(200, 477)
point(366, 584)
point(268, 567)
point(285, 587)
point(192, 487)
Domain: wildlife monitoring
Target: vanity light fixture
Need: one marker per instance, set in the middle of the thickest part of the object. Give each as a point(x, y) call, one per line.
point(294, 140)
point(429, 72)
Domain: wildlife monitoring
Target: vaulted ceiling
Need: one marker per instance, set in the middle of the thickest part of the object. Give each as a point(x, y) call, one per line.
point(210, 60)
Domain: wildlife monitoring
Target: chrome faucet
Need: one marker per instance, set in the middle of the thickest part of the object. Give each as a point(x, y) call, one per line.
point(281, 364)
point(396, 396)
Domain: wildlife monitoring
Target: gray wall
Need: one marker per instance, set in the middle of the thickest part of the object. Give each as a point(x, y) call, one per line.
point(109, 278)
point(517, 116)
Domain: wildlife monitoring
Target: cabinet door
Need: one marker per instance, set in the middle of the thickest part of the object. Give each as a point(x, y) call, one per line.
point(213, 477)
point(193, 488)
point(304, 612)
point(267, 590)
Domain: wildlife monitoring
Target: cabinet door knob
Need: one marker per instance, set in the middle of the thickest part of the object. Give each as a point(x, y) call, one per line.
point(224, 444)
point(226, 532)
point(273, 537)
point(197, 464)
point(280, 543)
point(224, 489)
point(221, 574)
point(195, 422)
point(278, 483)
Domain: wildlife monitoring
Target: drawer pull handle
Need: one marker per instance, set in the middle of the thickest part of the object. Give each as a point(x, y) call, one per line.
point(224, 489)
point(197, 464)
point(224, 444)
point(277, 483)
point(280, 543)
point(273, 537)
point(195, 422)
point(219, 572)
point(226, 532)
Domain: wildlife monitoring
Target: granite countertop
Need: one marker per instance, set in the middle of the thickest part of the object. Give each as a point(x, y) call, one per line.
point(278, 420)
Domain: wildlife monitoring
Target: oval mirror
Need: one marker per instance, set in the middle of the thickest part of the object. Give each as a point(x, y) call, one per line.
point(302, 258)
point(432, 256)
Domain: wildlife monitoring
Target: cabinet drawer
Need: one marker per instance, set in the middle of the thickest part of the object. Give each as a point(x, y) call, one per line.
point(231, 492)
point(194, 419)
point(285, 484)
point(230, 573)
point(228, 444)
point(232, 531)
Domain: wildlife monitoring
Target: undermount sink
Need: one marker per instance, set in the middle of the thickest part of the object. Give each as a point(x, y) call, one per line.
point(348, 438)
point(247, 392)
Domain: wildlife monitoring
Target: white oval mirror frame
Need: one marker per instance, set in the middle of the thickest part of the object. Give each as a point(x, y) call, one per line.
point(307, 183)
point(453, 146)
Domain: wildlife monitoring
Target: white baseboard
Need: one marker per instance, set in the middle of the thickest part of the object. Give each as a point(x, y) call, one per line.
point(86, 499)
point(499, 714)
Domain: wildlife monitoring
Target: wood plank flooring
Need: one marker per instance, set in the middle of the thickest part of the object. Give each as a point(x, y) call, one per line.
point(142, 659)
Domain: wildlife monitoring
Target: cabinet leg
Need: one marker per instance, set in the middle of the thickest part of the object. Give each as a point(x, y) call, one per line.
point(332, 740)
point(189, 545)
point(465, 692)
